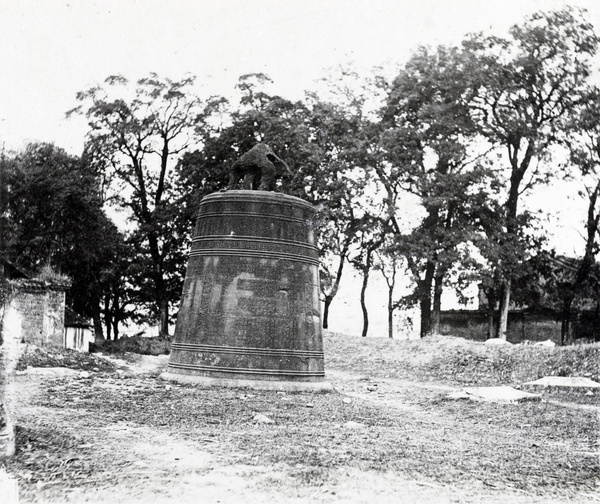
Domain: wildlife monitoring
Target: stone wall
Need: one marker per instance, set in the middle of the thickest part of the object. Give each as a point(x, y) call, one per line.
point(7, 433)
point(36, 312)
point(31, 311)
point(522, 325)
point(472, 324)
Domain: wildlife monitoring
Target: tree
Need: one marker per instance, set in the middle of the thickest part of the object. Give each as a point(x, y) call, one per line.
point(585, 154)
point(55, 218)
point(119, 298)
point(347, 132)
point(528, 86)
point(371, 233)
point(429, 139)
point(335, 238)
point(336, 187)
point(137, 139)
point(388, 265)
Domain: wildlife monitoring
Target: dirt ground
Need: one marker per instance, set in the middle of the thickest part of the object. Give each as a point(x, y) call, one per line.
point(111, 452)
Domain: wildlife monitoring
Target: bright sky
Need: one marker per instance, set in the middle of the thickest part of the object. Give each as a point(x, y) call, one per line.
point(50, 49)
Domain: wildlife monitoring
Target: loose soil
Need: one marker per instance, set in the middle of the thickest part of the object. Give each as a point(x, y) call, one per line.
point(109, 430)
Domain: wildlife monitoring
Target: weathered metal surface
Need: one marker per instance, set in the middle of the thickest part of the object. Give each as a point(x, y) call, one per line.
point(250, 304)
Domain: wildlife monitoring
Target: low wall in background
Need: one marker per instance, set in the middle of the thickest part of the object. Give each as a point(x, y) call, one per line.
point(522, 325)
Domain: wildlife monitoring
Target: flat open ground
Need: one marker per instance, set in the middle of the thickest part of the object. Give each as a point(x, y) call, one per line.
point(110, 430)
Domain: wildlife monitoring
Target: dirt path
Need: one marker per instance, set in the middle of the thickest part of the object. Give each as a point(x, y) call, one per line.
point(151, 465)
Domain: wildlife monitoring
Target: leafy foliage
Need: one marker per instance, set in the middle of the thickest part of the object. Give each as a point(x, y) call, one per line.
point(430, 151)
point(135, 141)
point(528, 87)
point(55, 218)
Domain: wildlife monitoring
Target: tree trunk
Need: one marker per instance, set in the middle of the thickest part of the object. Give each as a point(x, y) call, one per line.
point(490, 323)
point(390, 308)
point(162, 303)
point(425, 305)
point(107, 317)
point(363, 304)
point(335, 286)
point(504, 308)
point(116, 316)
point(425, 299)
point(97, 320)
point(326, 303)
point(437, 301)
point(597, 322)
point(565, 321)
point(163, 329)
point(390, 280)
point(518, 170)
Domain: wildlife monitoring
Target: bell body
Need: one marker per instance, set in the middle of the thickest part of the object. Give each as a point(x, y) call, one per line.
point(250, 313)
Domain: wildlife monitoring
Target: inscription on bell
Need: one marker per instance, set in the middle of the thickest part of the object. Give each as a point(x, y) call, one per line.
point(264, 307)
point(255, 285)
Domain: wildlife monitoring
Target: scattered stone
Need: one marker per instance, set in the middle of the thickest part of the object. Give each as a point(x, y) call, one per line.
point(497, 342)
point(501, 394)
point(84, 374)
point(458, 395)
point(59, 372)
point(589, 393)
point(10, 487)
point(309, 405)
point(547, 343)
point(347, 400)
point(354, 425)
point(260, 418)
point(167, 387)
point(564, 381)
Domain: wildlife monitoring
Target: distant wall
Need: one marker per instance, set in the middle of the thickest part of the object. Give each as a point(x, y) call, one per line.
point(36, 310)
point(78, 338)
point(7, 431)
point(472, 324)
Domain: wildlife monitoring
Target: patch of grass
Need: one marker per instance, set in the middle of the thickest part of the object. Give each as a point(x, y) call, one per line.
point(458, 361)
point(48, 274)
point(137, 344)
point(34, 356)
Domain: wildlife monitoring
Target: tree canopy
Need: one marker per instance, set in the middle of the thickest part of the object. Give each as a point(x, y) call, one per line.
point(55, 219)
point(136, 140)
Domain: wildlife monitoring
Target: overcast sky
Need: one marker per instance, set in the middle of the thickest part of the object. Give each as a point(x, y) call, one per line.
point(50, 49)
